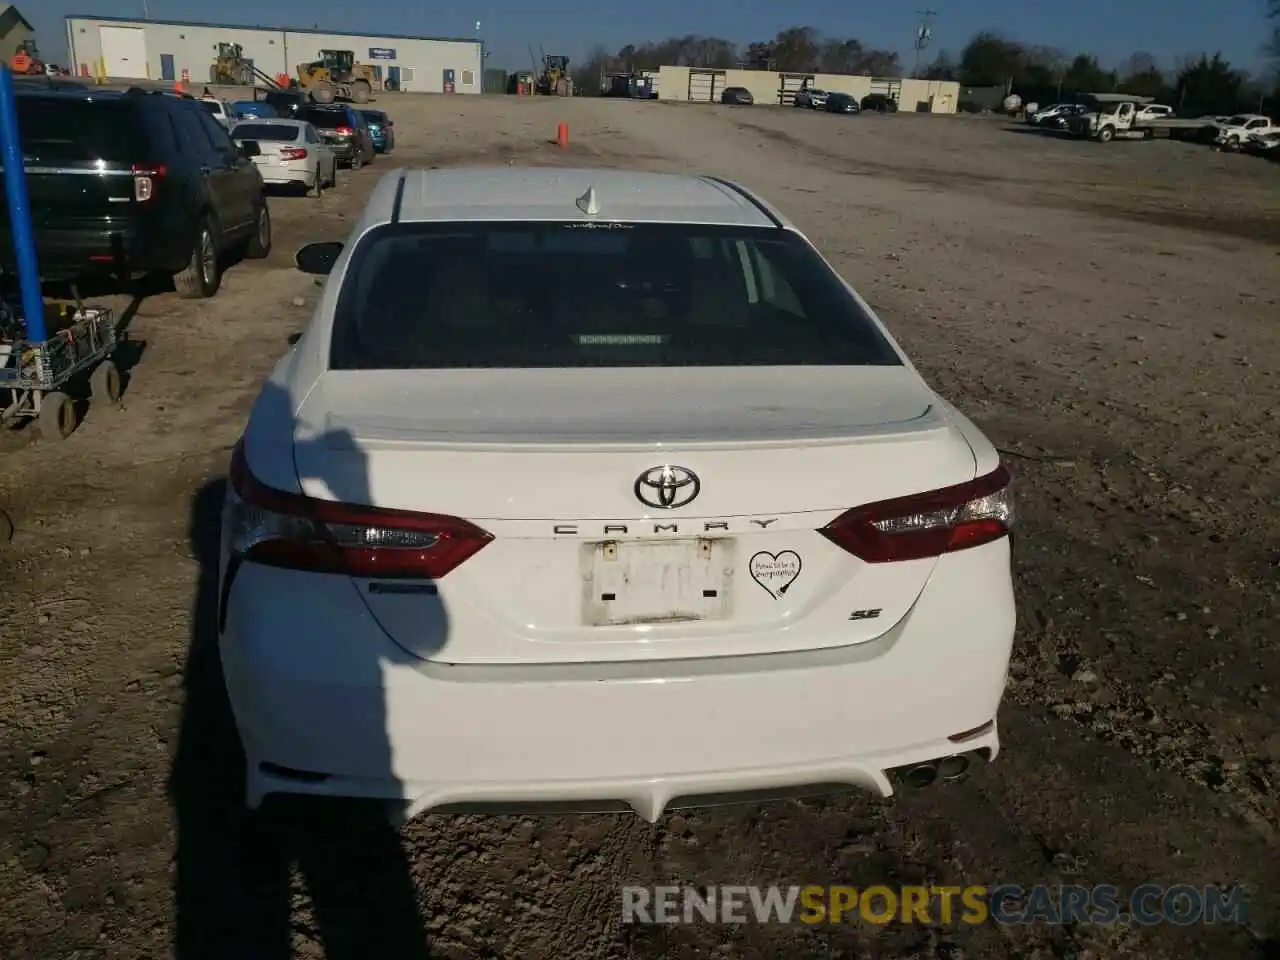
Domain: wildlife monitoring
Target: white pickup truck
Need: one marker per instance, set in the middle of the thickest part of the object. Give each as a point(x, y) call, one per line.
point(1235, 131)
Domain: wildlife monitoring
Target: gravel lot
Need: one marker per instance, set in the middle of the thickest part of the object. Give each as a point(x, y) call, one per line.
point(1108, 314)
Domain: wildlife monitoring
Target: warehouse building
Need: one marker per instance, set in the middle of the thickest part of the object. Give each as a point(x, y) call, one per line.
point(178, 50)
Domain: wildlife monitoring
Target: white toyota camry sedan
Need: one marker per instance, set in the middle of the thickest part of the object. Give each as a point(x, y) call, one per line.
point(600, 490)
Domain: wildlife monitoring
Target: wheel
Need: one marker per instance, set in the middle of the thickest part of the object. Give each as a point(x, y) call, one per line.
point(357, 160)
point(333, 176)
point(259, 245)
point(1232, 145)
point(360, 91)
point(1106, 134)
point(104, 383)
point(57, 416)
point(322, 93)
point(318, 188)
point(202, 276)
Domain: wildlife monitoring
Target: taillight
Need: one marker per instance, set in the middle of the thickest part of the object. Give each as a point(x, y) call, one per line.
point(145, 179)
point(280, 529)
point(343, 131)
point(293, 153)
point(927, 524)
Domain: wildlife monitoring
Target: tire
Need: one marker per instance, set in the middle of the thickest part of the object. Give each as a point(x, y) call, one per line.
point(105, 385)
point(202, 276)
point(360, 91)
point(318, 189)
point(1106, 134)
point(322, 93)
point(357, 160)
point(259, 245)
point(57, 417)
point(333, 176)
point(1232, 145)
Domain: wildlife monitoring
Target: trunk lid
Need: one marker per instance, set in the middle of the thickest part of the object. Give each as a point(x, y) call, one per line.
point(581, 569)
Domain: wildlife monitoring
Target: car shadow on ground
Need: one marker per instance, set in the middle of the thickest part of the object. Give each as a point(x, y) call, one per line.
point(235, 868)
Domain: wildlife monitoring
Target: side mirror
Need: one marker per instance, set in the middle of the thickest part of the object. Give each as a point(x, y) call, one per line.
point(318, 258)
point(250, 149)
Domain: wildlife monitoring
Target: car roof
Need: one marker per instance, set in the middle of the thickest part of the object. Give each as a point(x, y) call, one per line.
point(276, 121)
point(550, 193)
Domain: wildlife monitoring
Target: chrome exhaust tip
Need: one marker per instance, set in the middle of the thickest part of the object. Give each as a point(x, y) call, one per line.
point(920, 775)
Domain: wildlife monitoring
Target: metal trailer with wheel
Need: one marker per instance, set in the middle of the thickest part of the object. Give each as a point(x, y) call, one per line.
point(43, 380)
point(43, 373)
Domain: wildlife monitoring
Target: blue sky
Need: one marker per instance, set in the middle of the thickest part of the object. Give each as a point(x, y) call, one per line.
point(1111, 28)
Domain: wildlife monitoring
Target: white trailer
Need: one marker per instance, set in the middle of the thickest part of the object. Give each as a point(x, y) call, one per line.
point(1120, 116)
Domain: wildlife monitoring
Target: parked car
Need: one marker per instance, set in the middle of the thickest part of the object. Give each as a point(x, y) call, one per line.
point(1057, 117)
point(290, 153)
point(286, 103)
point(812, 528)
point(811, 98)
point(382, 129)
point(879, 103)
point(1036, 118)
point(220, 110)
point(343, 128)
point(245, 109)
point(737, 95)
point(127, 183)
point(1232, 133)
point(1263, 145)
point(842, 103)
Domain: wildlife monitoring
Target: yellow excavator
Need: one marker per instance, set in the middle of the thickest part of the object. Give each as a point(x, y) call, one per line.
point(337, 76)
point(554, 80)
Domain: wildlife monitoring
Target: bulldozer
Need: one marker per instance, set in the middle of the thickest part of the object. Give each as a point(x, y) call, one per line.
point(337, 76)
point(554, 80)
point(231, 68)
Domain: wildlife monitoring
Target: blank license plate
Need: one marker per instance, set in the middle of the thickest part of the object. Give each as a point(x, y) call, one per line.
point(656, 581)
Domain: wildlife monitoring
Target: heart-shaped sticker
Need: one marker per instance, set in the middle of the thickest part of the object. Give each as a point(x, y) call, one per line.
point(776, 572)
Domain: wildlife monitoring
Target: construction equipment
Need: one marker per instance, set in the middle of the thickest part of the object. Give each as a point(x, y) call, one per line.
point(231, 68)
point(337, 76)
point(26, 60)
point(554, 80)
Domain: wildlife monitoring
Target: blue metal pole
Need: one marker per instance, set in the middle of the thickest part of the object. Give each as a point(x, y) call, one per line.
point(24, 237)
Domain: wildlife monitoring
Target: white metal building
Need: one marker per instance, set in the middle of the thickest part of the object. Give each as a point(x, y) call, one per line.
point(174, 50)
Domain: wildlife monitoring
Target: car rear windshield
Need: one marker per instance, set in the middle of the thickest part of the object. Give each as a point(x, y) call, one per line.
point(210, 107)
point(65, 130)
point(595, 295)
point(328, 119)
point(373, 116)
point(270, 132)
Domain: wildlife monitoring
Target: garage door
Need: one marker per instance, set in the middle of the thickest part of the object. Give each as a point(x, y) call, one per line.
point(125, 51)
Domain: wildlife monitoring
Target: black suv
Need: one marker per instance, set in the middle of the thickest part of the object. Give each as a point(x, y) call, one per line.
point(286, 103)
point(128, 183)
point(343, 128)
point(879, 103)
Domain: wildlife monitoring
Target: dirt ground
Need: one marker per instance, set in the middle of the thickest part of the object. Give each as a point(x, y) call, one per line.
point(1110, 315)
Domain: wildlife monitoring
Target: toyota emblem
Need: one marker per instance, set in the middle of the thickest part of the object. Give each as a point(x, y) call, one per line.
point(667, 487)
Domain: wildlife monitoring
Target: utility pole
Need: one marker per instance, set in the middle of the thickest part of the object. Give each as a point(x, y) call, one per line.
point(924, 33)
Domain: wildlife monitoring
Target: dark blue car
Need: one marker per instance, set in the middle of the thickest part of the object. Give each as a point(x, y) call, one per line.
point(383, 129)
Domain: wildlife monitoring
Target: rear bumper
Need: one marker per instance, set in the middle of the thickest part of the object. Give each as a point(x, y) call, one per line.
point(284, 175)
point(67, 253)
point(316, 687)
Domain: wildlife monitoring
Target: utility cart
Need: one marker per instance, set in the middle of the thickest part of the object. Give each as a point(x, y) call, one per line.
point(43, 379)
